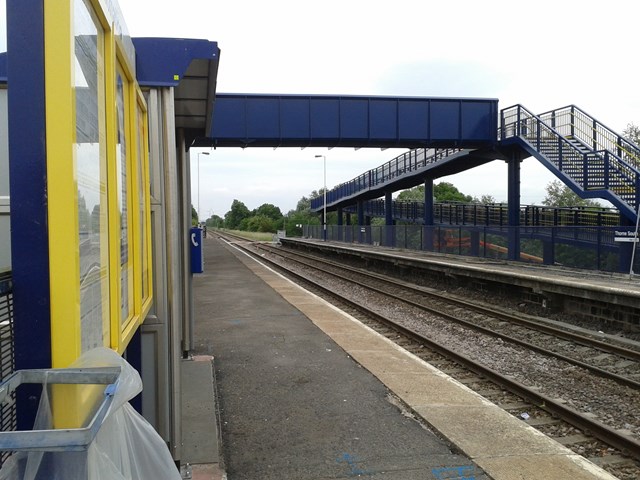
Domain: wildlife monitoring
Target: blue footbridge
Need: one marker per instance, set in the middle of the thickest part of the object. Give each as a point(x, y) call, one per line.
point(445, 136)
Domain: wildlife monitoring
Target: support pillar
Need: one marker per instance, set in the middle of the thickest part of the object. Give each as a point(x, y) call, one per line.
point(360, 222)
point(475, 243)
point(428, 214)
point(514, 207)
point(389, 238)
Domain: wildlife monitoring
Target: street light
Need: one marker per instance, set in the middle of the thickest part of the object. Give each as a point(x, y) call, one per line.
point(324, 214)
point(199, 153)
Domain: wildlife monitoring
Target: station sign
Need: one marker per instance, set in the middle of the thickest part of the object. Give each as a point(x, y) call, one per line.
point(626, 237)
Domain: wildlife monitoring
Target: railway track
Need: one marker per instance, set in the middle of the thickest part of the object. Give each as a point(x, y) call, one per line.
point(616, 362)
point(614, 449)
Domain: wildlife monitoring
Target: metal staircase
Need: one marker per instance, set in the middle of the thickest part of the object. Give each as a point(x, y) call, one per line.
point(592, 159)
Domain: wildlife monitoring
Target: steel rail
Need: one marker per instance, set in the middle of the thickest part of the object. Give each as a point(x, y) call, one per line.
point(487, 331)
point(518, 319)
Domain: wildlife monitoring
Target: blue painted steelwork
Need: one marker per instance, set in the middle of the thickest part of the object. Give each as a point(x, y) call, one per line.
point(3, 67)
point(405, 171)
point(352, 121)
point(591, 159)
point(27, 182)
point(163, 62)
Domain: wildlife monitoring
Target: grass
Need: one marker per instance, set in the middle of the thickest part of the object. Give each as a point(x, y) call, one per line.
point(255, 236)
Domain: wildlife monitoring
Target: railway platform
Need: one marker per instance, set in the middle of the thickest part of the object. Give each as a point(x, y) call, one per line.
point(304, 391)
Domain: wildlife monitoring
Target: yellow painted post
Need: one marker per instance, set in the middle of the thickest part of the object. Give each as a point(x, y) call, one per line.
point(61, 184)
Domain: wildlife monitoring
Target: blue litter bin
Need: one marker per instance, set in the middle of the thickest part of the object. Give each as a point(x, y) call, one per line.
point(197, 256)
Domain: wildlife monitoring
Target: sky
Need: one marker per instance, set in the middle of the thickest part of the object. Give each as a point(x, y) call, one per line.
point(543, 55)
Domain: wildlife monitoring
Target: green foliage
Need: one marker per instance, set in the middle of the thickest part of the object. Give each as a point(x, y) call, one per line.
point(194, 216)
point(443, 192)
point(304, 204)
point(559, 195)
point(234, 217)
point(269, 218)
point(261, 223)
point(485, 200)
point(268, 210)
point(632, 132)
point(415, 194)
point(215, 221)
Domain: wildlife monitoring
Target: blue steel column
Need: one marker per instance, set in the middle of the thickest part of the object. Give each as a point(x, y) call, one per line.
point(388, 220)
point(340, 234)
point(27, 186)
point(428, 214)
point(514, 207)
point(360, 221)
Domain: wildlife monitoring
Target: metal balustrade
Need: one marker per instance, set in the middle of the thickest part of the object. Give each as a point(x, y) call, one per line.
point(495, 214)
point(591, 157)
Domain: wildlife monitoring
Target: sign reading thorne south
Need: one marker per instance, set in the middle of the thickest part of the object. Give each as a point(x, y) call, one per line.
point(625, 236)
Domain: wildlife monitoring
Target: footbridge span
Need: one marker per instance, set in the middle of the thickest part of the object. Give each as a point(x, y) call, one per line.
point(444, 136)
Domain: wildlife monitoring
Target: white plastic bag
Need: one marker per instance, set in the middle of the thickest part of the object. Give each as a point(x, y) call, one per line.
point(126, 447)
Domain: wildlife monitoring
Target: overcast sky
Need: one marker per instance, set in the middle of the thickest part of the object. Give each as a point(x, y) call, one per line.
point(543, 55)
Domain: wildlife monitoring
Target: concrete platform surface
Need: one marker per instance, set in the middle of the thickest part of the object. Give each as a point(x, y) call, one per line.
point(308, 392)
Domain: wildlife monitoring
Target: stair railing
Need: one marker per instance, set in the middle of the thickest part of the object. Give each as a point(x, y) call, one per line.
point(551, 135)
point(572, 121)
point(412, 160)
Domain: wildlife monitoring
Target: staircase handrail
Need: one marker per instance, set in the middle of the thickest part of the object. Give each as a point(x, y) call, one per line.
point(543, 125)
point(573, 121)
point(414, 159)
point(518, 121)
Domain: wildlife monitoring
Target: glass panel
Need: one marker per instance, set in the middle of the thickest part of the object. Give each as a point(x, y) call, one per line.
point(3, 25)
point(126, 270)
point(142, 188)
point(91, 170)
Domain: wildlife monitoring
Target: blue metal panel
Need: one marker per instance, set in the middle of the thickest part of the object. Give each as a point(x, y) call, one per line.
point(263, 118)
point(162, 62)
point(351, 121)
point(235, 115)
point(27, 182)
point(474, 125)
point(3, 67)
point(413, 120)
point(444, 120)
point(383, 119)
point(353, 118)
point(324, 114)
point(295, 119)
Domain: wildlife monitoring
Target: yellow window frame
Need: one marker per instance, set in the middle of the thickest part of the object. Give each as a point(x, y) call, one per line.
point(144, 262)
point(64, 261)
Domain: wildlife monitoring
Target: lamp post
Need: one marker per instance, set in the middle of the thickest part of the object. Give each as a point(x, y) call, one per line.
point(324, 203)
point(199, 153)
